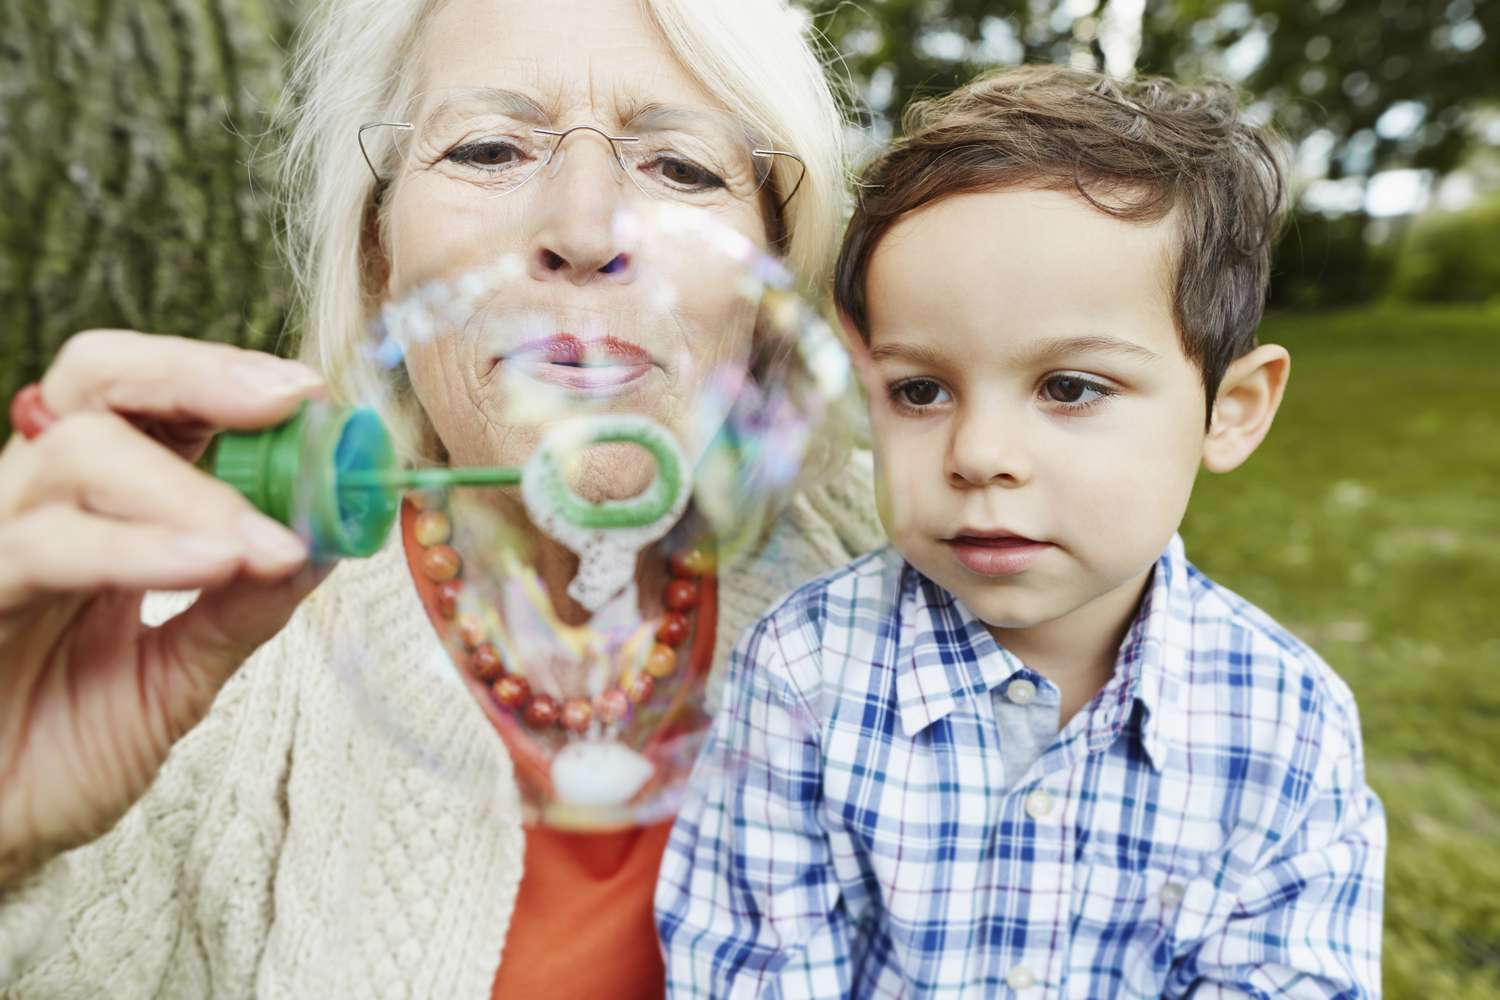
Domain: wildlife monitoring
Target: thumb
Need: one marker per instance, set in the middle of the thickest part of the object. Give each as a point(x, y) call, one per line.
point(204, 645)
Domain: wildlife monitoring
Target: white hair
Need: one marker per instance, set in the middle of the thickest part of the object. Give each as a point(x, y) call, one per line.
point(354, 65)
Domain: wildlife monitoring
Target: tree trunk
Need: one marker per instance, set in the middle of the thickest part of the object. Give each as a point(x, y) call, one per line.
point(130, 191)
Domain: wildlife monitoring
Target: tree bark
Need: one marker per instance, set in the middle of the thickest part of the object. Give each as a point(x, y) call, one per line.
point(131, 192)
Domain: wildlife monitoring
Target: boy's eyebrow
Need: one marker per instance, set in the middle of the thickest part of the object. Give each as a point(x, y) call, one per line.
point(918, 354)
point(1042, 352)
point(1059, 347)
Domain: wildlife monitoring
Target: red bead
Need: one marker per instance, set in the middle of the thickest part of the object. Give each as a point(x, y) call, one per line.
point(486, 663)
point(447, 597)
point(29, 413)
point(512, 691)
point(638, 687)
point(681, 594)
point(542, 711)
point(673, 628)
point(576, 715)
point(441, 563)
point(470, 630)
point(612, 705)
point(661, 661)
point(693, 562)
point(432, 527)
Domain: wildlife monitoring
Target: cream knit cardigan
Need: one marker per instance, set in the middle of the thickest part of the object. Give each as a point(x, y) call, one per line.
point(344, 822)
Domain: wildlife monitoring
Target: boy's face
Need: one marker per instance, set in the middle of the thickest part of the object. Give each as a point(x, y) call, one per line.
point(1037, 426)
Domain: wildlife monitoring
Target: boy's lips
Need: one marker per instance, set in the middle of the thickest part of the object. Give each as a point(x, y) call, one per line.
point(995, 553)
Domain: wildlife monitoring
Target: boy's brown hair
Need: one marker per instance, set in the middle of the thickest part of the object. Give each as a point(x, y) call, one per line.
point(1136, 150)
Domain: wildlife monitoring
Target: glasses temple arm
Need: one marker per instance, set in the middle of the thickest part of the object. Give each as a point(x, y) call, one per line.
point(403, 126)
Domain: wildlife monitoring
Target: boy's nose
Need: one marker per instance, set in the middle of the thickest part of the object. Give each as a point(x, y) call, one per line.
point(988, 450)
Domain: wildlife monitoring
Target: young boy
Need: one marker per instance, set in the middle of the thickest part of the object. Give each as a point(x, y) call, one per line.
point(1030, 750)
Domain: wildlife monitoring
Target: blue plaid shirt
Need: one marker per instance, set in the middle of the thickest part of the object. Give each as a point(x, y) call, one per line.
point(1202, 828)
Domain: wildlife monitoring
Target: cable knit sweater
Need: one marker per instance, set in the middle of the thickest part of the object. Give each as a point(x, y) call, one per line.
point(344, 822)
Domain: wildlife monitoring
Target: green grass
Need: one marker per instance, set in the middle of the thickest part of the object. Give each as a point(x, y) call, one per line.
point(1369, 524)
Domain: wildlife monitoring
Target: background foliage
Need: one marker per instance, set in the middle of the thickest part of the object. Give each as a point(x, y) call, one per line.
point(134, 191)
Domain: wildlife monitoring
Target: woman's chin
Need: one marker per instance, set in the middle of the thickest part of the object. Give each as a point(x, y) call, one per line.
point(611, 472)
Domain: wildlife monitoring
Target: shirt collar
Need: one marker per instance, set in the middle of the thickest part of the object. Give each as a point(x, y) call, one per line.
point(1150, 667)
point(949, 656)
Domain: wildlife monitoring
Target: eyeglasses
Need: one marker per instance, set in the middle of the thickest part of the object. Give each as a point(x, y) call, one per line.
point(499, 140)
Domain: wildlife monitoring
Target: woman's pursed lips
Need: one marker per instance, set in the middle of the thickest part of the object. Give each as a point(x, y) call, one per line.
point(599, 366)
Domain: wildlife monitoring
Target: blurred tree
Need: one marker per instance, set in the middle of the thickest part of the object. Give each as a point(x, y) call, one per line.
point(1451, 256)
point(1376, 83)
point(131, 195)
point(1391, 82)
point(1326, 261)
point(1358, 86)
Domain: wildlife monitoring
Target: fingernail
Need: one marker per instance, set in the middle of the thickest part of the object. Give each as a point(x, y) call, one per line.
point(267, 538)
point(277, 378)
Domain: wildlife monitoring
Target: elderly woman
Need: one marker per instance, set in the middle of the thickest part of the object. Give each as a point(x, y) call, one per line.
point(203, 808)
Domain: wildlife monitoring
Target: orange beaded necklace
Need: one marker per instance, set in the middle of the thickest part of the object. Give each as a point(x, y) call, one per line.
point(691, 601)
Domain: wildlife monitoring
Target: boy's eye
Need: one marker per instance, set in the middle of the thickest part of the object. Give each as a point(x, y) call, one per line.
point(1074, 391)
point(919, 392)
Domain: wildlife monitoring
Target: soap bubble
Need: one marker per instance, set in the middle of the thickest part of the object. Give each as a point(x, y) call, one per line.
point(654, 421)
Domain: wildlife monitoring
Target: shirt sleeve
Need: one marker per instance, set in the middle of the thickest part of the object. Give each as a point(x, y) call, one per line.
point(1307, 924)
point(748, 902)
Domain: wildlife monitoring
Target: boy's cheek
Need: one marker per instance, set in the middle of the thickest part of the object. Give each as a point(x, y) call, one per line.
point(888, 516)
point(895, 486)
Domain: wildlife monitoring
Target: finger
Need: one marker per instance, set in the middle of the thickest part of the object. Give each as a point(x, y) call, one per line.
point(175, 380)
point(59, 549)
point(205, 644)
point(99, 463)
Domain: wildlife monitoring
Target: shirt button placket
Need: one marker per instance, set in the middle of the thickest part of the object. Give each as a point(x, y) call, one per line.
point(1040, 804)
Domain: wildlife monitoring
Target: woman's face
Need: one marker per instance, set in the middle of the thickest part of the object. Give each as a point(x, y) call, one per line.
point(598, 314)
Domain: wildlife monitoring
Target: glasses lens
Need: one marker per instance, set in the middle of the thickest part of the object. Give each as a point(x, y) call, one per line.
point(485, 138)
point(693, 157)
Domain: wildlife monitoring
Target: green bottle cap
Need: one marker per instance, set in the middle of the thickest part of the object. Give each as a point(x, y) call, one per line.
point(327, 473)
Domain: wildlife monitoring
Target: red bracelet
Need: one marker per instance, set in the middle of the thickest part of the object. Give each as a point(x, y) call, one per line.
point(28, 411)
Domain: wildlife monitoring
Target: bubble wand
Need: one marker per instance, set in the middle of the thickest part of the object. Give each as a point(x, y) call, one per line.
point(333, 474)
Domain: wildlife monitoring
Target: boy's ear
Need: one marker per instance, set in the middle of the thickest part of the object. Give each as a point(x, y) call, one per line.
point(1249, 396)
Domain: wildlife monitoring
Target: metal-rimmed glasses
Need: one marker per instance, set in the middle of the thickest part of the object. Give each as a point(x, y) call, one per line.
point(499, 140)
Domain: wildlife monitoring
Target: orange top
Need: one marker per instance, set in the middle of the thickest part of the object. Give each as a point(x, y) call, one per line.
point(582, 926)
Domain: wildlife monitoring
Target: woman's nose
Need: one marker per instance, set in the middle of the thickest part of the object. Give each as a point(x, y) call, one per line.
point(988, 448)
point(577, 237)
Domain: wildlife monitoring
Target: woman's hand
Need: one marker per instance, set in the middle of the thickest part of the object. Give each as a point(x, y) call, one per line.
point(99, 508)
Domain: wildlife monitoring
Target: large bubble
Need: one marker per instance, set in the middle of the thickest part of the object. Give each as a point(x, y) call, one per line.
point(648, 427)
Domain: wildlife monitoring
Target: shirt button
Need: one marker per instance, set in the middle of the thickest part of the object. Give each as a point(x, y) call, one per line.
point(1021, 691)
point(1039, 804)
point(1171, 894)
point(1019, 977)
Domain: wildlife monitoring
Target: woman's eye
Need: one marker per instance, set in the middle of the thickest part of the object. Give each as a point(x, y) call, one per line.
point(920, 392)
point(686, 174)
point(489, 153)
point(1074, 392)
